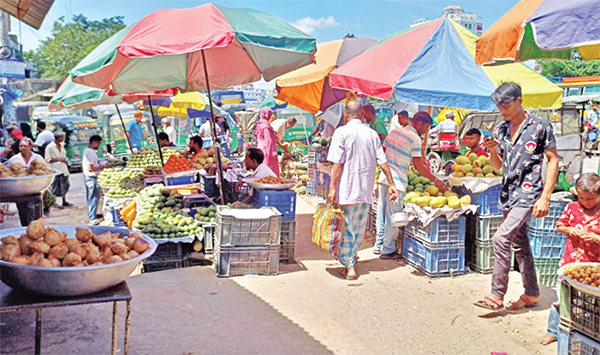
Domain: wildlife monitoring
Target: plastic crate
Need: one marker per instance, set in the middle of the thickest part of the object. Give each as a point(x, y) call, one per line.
point(288, 242)
point(546, 269)
point(208, 185)
point(440, 232)
point(579, 310)
point(210, 230)
point(487, 201)
point(238, 261)
point(167, 252)
point(180, 178)
point(433, 262)
point(546, 244)
point(548, 223)
point(151, 266)
point(284, 201)
point(574, 343)
point(311, 187)
point(480, 257)
point(483, 228)
point(231, 195)
point(247, 229)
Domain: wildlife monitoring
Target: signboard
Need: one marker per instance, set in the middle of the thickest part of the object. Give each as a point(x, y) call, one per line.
point(12, 69)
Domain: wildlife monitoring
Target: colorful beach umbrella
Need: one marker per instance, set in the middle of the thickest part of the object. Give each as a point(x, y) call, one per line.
point(542, 29)
point(273, 103)
point(189, 104)
point(308, 87)
point(231, 46)
point(433, 64)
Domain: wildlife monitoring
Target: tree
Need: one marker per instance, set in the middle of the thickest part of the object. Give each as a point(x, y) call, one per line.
point(69, 43)
point(576, 67)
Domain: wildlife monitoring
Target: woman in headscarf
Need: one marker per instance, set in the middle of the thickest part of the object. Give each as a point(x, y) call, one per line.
point(266, 140)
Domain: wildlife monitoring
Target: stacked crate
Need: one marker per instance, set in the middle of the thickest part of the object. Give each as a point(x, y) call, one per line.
point(285, 202)
point(481, 229)
point(437, 250)
point(247, 241)
point(547, 245)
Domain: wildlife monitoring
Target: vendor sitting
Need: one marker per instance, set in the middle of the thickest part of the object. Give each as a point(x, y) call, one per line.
point(194, 147)
point(254, 161)
point(473, 141)
point(163, 140)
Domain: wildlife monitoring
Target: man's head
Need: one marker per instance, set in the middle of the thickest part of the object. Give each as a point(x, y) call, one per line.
point(254, 157)
point(588, 190)
point(165, 122)
point(450, 115)
point(195, 144)
point(509, 100)
point(369, 112)
point(290, 122)
point(59, 137)
point(17, 133)
point(421, 122)
point(25, 146)
point(138, 115)
point(41, 126)
point(95, 141)
point(473, 138)
point(354, 110)
point(220, 119)
point(403, 118)
point(163, 139)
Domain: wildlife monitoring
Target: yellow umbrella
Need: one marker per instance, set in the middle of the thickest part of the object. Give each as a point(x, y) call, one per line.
point(183, 101)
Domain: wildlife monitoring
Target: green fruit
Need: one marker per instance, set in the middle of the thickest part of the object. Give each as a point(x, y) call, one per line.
point(410, 188)
point(211, 214)
point(419, 186)
point(419, 189)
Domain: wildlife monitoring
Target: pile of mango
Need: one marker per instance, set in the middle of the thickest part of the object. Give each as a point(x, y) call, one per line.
point(435, 199)
point(418, 183)
point(474, 166)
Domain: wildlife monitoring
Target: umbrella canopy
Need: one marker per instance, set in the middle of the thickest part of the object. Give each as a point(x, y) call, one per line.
point(189, 104)
point(433, 65)
point(308, 87)
point(73, 95)
point(273, 103)
point(239, 45)
point(542, 29)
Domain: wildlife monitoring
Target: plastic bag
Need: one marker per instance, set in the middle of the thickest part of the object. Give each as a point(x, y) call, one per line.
point(328, 226)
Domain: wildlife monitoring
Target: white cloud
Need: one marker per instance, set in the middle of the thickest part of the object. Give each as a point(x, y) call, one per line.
point(308, 24)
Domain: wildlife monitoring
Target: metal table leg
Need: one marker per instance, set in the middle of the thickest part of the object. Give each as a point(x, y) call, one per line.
point(127, 323)
point(114, 328)
point(38, 331)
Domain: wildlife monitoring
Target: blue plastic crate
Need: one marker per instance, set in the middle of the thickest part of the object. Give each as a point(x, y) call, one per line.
point(433, 262)
point(488, 201)
point(440, 232)
point(208, 184)
point(549, 222)
point(546, 244)
point(181, 180)
point(574, 343)
point(284, 201)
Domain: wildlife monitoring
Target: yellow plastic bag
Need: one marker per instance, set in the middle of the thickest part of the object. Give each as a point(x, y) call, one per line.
point(328, 226)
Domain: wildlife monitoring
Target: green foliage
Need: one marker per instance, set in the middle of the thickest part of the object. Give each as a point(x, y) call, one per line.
point(571, 68)
point(69, 43)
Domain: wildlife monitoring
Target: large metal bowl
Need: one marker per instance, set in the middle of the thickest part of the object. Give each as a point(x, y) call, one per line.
point(26, 185)
point(261, 186)
point(69, 281)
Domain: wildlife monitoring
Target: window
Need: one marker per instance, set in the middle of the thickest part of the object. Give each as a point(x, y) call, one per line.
point(592, 89)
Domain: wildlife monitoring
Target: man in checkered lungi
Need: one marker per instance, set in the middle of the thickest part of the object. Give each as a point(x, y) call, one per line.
point(355, 151)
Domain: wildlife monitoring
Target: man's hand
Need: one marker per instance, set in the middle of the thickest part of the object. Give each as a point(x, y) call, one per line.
point(331, 195)
point(109, 165)
point(238, 185)
point(491, 144)
point(541, 207)
point(441, 185)
point(393, 192)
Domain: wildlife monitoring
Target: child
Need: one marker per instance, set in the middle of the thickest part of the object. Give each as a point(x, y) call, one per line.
point(580, 221)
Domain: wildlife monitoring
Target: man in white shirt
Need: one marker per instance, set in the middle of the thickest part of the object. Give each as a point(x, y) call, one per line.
point(399, 120)
point(446, 126)
point(355, 151)
point(204, 131)
point(169, 130)
point(57, 157)
point(280, 126)
point(254, 161)
point(44, 137)
point(91, 166)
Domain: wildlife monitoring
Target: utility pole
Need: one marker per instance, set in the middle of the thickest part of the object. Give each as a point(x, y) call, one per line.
point(5, 51)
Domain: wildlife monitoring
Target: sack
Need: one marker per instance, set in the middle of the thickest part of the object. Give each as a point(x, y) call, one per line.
point(328, 225)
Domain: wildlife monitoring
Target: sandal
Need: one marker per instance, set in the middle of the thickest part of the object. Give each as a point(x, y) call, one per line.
point(522, 302)
point(489, 303)
point(344, 273)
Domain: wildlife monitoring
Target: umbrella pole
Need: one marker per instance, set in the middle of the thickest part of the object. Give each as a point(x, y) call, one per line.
point(123, 124)
point(162, 162)
point(214, 130)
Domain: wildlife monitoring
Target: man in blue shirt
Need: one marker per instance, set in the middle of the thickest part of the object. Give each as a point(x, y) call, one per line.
point(135, 131)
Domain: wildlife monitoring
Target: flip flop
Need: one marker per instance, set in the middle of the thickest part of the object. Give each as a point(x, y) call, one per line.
point(344, 273)
point(527, 303)
point(483, 304)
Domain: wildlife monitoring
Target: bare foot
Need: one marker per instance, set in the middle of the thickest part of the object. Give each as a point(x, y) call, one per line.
point(351, 273)
point(546, 339)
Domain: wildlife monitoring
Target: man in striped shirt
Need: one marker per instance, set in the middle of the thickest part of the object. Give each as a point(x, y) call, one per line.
point(402, 147)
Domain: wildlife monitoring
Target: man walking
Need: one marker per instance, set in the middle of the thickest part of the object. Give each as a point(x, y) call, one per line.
point(518, 147)
point(43, 138)
point(402, 147)
point(56, 156)
point(355, 151)
point(400, 120)
point(91, 166)
point(374, 122)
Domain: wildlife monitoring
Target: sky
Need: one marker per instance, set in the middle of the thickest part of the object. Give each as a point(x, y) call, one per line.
point(325, 20)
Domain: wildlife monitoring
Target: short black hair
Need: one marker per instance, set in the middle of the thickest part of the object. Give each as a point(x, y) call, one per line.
point(506, 93)
point(95, 138)
point(403, 113)
point(163, 136)
point(197, 140)
point(41, 125)
point(473, 131)
point(422, 117)
point(256, 154)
